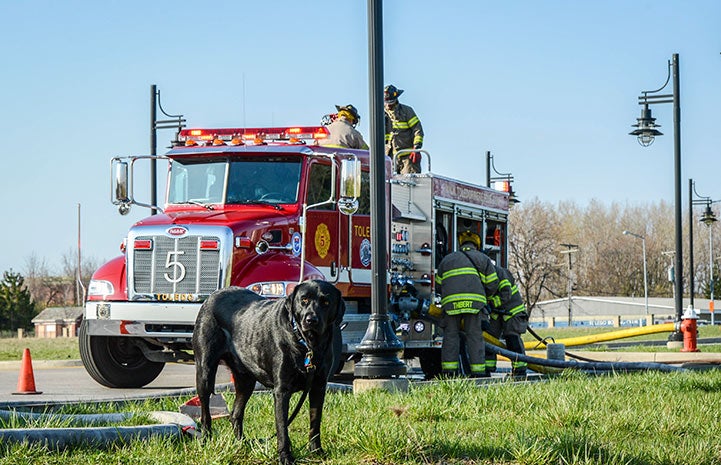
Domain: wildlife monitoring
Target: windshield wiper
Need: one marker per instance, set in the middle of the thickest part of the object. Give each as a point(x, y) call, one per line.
point(195, 202)
point(260, 202)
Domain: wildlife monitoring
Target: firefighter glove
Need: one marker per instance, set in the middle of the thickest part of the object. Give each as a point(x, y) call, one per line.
point(414, 157)
point(485, 324)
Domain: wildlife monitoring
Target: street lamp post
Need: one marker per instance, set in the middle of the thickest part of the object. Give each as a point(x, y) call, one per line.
point(379, 345)
point(501, 181)
point(645, 274)
point(691, 202)
point(570, 248)
point(646, 132)
point(175, 122)
point(708, 218)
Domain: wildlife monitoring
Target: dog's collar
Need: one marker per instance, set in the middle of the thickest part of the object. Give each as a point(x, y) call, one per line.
point(308, 361)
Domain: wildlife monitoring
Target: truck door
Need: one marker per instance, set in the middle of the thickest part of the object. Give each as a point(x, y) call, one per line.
point(323, 233)
point(356, 255)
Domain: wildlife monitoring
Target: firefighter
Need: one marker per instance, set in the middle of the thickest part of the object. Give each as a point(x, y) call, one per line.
point(508, 319)
point(343, 133)
point(403, 131)
point(465, 277)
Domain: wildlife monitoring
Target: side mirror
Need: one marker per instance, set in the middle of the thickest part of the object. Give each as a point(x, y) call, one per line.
point(120, 182)
point(350, 185)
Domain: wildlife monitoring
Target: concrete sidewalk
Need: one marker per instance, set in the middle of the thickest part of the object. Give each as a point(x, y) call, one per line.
point(674, 358)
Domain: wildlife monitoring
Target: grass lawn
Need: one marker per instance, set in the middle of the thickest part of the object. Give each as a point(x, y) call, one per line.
point(624, 419)
point(61, 348)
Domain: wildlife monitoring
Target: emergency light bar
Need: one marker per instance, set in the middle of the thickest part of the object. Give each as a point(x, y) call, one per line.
point(253, 136)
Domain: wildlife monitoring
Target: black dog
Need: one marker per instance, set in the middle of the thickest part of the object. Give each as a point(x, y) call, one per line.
point(288, 345)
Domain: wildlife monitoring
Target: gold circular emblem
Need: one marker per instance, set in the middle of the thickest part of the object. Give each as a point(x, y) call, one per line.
point(322, 240)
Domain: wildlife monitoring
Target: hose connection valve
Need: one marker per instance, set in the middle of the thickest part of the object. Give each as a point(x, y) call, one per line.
point(689, 330)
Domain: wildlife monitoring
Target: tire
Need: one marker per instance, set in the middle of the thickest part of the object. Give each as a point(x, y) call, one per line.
point(430, 362)
point(116, 362)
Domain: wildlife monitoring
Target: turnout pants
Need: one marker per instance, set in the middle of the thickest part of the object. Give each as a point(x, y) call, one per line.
point(404, 165)
point(450, 350)
point(511, 331)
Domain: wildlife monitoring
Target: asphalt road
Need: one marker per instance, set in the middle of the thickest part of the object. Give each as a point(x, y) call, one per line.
point(68, 382)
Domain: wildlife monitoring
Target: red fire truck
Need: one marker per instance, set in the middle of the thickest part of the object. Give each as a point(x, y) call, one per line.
point(266, 208)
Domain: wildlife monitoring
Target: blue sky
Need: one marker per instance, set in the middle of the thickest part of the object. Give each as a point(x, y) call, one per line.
point(549, 87)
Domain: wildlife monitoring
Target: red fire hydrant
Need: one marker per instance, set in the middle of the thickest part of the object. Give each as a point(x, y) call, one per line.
point(689, 330)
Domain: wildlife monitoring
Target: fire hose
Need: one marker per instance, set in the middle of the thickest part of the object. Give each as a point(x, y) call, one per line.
point(174, 425)
point(575, 364)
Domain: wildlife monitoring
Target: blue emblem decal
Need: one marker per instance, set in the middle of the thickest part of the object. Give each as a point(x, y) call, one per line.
point(296, 243)
point(365, 252)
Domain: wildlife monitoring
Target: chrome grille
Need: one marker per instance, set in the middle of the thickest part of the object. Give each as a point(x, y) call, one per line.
point(176, 266)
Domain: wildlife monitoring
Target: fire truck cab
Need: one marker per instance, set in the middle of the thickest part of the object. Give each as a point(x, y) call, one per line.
point(266, 208)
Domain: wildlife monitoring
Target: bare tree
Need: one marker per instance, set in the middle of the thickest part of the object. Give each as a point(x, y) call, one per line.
point(47, 290)
point(533, 240)
point(607, 262)
point(50, 289)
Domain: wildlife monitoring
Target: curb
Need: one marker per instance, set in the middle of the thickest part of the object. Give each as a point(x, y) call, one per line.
point(8, 365)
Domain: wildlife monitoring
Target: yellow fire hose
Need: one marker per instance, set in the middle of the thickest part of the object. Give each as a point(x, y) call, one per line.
point(610, 336)
point(584, 340)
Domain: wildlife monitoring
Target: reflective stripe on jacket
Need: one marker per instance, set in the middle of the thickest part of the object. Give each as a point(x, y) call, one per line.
point(508, 301)
point(464, 280)
point(403, 129)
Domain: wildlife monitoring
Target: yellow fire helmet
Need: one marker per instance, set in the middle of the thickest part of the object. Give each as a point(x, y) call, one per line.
point(469, 236)
point(350, 113)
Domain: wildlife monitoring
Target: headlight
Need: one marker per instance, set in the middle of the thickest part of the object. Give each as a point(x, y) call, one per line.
point(102, 288)
point(273, 289)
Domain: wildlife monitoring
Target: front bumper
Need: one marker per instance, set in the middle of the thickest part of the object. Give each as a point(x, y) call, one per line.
point(163, 321)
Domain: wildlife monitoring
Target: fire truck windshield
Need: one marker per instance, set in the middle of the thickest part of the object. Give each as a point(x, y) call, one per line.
point(252, 180)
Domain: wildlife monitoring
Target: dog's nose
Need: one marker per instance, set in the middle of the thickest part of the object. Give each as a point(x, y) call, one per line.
point(311, 319)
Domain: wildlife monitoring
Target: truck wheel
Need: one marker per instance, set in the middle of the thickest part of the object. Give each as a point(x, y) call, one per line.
point(430, 363)
point(116, 362)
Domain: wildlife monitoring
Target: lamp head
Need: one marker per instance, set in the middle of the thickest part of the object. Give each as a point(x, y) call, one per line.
point(708, 218)
point(646, 124)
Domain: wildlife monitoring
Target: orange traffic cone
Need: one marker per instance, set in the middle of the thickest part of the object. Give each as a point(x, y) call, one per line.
point(26, 380)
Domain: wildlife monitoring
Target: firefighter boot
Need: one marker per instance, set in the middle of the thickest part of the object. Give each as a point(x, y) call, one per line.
point(515, 344)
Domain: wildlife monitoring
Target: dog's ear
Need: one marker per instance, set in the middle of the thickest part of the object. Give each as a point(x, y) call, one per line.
point(290, 301)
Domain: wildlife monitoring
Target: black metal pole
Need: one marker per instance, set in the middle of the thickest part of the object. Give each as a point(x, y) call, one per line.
point(677, 170)
point(79, 278)
point(570, 289)
point(488, 168)
point(153, 149)
point(380, 345)
point(691, 279)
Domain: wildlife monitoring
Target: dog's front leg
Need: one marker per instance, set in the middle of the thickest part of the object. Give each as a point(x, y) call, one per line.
point(282, 402)
point(316, 398)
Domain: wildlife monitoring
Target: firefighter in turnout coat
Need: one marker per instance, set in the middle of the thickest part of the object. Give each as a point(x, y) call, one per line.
point(403, 131)
point(343, 133)
point(508, 319)
point(465, 277)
